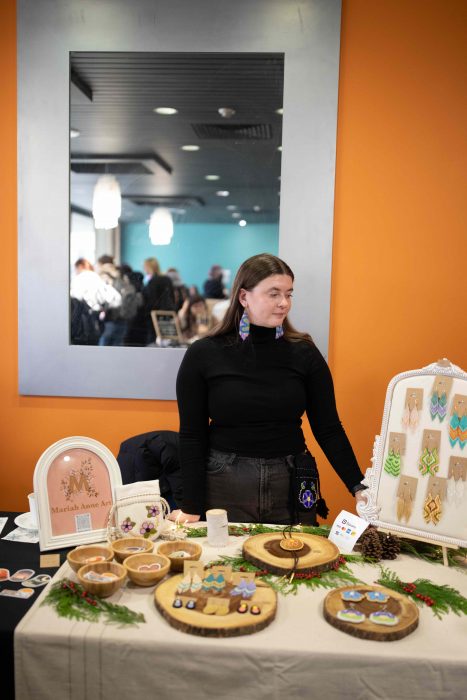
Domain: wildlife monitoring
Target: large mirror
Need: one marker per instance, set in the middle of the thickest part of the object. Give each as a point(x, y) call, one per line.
point(50, 37)
point(174, 181)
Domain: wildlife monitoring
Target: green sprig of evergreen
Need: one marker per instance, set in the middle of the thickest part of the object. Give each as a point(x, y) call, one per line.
point(441, 599)
point(71, 600)
point(333, 578)
point(258, 529)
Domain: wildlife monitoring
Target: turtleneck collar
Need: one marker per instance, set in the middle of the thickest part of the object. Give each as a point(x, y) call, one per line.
point(261, 334)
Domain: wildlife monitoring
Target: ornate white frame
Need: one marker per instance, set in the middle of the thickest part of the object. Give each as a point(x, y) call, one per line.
point(46, 539)
point(370, 508)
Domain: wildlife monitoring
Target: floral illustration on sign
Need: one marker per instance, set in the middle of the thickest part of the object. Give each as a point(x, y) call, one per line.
point(79, 480)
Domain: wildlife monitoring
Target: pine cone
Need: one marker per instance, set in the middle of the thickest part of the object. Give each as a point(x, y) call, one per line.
point(390, 545)
point(370, 544)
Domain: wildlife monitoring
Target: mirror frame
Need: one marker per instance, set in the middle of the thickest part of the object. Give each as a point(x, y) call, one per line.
point(307, 32)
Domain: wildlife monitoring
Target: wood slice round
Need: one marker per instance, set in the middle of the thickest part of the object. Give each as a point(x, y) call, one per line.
point(399, 605)
point(318, 554)
point(233, 624)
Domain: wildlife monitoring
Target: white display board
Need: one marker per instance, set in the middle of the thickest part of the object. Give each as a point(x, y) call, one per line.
point(417, 485)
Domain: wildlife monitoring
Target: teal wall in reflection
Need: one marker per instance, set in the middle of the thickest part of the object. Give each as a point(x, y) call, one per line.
point(195, 247)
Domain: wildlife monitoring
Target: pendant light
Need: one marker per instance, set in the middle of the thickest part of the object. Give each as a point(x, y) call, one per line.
point(106, 202)
point(161, 227)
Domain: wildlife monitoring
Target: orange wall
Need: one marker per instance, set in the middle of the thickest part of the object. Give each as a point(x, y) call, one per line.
point(398, 285)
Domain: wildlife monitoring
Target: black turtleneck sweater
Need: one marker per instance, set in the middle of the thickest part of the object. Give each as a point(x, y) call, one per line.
point(248, 397)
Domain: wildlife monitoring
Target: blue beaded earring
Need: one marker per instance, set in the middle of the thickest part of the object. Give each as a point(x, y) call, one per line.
point(279, 332)
point(244, 327)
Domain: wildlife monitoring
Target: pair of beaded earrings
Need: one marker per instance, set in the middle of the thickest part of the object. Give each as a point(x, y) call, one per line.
point(244, 327)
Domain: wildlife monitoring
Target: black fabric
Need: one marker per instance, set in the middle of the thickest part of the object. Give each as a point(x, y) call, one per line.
point(306, 501)
point(14, 556)
point(159, 296)
point(85, 328)
point(254, 393)
point(150, 456)
point(214, 289)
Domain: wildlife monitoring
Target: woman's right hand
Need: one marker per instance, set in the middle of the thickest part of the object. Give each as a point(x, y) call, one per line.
point(180, 517)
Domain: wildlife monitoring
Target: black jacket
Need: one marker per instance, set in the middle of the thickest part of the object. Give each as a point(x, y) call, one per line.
point(153, 456)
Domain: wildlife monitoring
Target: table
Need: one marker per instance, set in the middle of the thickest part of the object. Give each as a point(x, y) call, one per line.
point(299, 656)
point(14, 556)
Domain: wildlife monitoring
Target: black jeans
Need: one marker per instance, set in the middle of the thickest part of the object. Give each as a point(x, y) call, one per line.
point(251, 489)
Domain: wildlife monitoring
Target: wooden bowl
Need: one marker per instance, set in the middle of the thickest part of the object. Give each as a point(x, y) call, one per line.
point(85, 554)
point(103, 589)
point(193, 550)
point(122, 548)
point(138, 570)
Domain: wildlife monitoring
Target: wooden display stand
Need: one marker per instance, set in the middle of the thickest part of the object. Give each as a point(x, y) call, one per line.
point(398, 604)
point(233, 624)
point(443, 545)
point(318, 554)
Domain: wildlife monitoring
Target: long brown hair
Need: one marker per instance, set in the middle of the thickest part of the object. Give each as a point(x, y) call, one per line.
point(250, 273)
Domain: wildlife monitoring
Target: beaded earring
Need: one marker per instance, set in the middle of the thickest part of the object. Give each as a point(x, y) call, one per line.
point(279, 332)
point(244, 327)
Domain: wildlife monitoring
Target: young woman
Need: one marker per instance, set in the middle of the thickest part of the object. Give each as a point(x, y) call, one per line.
point(241, 394)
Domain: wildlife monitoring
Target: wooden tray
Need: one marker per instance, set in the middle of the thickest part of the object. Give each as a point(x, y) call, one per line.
point(196, 622)
point(402, 606)
point(320, 554)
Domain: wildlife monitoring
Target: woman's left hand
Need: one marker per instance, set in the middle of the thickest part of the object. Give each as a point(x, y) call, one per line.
point(360, 496)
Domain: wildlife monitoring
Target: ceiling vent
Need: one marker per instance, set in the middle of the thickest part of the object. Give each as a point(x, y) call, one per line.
point(237, 132)
point(132, 164)
point(168, 201)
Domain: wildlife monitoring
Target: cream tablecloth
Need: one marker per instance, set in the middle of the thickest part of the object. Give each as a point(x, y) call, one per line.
point(299, 656)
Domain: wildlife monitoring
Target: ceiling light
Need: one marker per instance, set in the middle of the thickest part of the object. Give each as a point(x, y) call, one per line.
point(212, 177)
point(226, 112)
point(166, 111)
point(190, 147)
point(231, 207)
point(106, 202)
point(223, 193)
point(280, 111)
point(74, 133)
point(236, 215)
point(256, 208)
point(161, 227)
point(242, 223)
point(279, 148)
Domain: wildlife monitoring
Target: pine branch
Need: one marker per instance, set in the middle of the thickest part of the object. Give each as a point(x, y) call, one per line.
point(73, 601)
point(340, 575)
point(441, 599)
point(258, 529)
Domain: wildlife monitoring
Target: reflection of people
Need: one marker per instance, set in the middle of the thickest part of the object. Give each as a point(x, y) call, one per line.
point(158, 294)
point(180, 290)
point(88, 286)
point(213, 287)
point(241, 393)
point(194, 318)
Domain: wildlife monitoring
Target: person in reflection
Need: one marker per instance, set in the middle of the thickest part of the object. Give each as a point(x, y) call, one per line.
point(194, 318)
point(213, 287)
point(241, 393)
point(91, 297)
point(158, 295)
point(117, 318)
point(180, 290)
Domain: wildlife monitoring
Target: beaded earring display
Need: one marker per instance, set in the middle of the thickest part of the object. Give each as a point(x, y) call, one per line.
point(432, 509)
point(458, 422)
point(411, 415)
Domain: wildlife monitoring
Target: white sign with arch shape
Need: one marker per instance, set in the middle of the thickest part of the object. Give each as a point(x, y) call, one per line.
point(74, 483)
